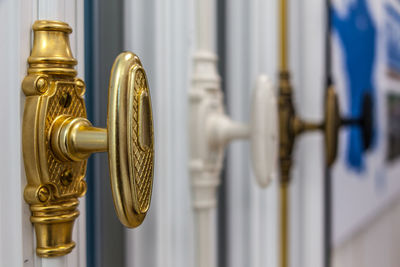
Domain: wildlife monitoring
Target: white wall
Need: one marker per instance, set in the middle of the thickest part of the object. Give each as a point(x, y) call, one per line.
point(375, 244)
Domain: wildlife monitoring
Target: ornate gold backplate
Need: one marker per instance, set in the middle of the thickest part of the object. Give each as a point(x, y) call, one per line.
point(51, 90)
point(57, 138)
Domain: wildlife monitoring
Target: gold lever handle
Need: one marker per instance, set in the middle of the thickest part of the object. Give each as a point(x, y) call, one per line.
point(58, 138)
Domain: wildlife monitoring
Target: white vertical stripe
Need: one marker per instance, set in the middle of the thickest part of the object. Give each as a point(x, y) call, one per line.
point(15, 232)
point(307, 36)
point(237, 95)
point(52, 10)
point(160, 33)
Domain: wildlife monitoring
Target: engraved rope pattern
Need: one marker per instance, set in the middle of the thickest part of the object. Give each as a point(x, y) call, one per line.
point(55, 167)
point(143, 160)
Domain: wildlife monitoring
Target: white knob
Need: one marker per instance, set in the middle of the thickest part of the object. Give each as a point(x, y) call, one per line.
point(264, 131)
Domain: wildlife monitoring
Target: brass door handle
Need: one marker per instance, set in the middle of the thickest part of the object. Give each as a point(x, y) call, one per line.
point(58, 138)
point(291, 125)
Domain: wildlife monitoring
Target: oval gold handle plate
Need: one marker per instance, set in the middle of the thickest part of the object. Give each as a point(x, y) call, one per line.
point(130, 137)
point(58, 138)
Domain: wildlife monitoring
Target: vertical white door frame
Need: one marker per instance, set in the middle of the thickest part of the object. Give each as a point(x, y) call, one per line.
point(17, 242)
point(160, 32)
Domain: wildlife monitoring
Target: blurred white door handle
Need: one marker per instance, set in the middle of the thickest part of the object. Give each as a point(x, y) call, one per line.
point(211, 129)
point(264, 131)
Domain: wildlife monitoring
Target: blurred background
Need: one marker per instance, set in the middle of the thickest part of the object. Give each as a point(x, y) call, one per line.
point(343, 216)
point(356, 227)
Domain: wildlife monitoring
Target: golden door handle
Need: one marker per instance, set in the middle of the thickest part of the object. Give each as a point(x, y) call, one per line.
point(58, 138)
point(128, 139)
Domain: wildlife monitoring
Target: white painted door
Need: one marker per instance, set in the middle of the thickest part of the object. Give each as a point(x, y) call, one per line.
point(17, 244)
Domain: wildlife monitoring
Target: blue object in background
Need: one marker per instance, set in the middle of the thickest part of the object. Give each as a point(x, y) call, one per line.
point(357, 34)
